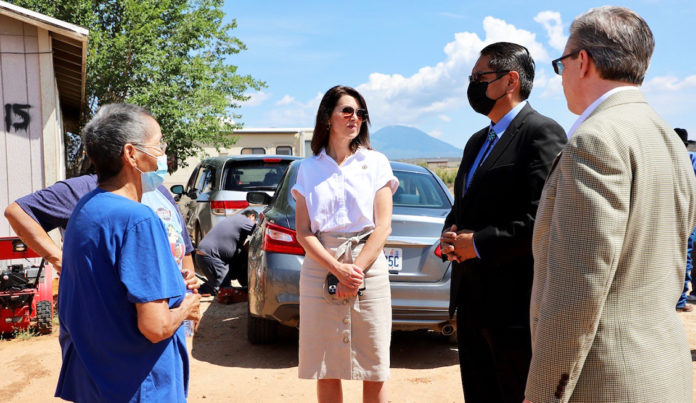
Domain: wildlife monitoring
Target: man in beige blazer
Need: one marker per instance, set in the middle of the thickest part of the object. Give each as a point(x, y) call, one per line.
point(610, 236)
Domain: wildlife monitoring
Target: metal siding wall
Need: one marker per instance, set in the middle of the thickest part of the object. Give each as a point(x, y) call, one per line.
point(21, 168)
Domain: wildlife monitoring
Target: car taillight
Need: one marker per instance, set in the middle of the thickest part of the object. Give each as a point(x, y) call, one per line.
point(221, 207)
point(281, 240)
point(438, 251)
point(271, 160)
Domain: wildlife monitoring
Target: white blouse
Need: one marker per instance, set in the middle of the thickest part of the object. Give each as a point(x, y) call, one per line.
point(341, 198)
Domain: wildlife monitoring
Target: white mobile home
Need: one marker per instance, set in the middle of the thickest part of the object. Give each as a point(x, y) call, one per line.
point(42, 94)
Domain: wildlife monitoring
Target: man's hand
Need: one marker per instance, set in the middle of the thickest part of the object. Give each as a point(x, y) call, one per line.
point(447, 243)
point(526, 401)
point(458, 245)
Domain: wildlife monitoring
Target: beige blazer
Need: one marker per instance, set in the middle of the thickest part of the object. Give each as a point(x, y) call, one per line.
point(609, 250)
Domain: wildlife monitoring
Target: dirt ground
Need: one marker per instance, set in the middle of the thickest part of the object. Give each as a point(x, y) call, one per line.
point(225, 367)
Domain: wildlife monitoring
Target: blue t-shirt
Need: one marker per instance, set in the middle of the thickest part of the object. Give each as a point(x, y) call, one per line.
point(51, 207)
point(115, 255)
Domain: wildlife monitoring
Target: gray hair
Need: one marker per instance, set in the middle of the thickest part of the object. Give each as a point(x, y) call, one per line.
point(112, 127)
point(617, 39)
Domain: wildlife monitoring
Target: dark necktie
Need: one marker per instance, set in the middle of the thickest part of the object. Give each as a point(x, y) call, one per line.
point(491, 139)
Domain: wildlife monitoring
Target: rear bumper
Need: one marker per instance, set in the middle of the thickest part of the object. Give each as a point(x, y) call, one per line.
point(274, 294)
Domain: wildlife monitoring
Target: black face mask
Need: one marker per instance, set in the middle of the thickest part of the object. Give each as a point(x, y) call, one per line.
point(478, 99)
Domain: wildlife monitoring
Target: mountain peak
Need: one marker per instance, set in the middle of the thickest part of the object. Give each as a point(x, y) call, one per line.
point(403, 142)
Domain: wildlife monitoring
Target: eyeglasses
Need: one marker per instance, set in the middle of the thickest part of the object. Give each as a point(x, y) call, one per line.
point(161, 146)
point(348, 111)
point(477, 76)
point(558, 66)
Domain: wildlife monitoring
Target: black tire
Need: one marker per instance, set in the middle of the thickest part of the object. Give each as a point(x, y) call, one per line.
point(260, 330)
point(44, 317)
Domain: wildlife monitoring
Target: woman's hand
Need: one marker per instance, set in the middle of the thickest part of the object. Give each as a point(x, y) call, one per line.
point(190, 280)
point(350, 275)
point(194, 309)
point(344, 292)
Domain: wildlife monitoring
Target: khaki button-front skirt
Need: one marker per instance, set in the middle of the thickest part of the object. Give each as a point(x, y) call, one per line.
point(344, 338)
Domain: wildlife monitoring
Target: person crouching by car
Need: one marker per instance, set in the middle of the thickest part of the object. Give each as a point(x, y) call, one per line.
point(343, 200)
point(122, 299)
point(222, 255)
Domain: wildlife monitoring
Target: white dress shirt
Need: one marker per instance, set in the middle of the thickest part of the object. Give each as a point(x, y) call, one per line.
point(341, 198)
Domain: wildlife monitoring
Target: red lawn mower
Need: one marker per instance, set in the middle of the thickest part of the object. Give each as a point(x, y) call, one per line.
point(26, 292)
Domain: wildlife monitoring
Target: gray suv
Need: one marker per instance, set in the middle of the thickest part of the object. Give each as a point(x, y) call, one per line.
point(218, 186)
point(420, 280)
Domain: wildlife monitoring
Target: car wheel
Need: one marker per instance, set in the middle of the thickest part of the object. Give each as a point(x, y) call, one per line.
point(260, 330)
point(44, 318)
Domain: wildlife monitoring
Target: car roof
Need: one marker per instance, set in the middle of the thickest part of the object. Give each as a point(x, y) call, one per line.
point(219, 161)
point(403, 166)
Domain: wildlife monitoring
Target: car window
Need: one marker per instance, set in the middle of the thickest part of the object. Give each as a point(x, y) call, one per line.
point(419, 190)
point(206, 180)
point(254, 174)
point(192, 179)
point(284, 150)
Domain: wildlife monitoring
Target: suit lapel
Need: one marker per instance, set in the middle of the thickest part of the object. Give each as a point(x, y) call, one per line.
point(504, 141)
point(470, 151)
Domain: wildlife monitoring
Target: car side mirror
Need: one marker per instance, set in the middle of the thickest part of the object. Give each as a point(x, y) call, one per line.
point(258, 198)
point(192, 194)
point(177, 189)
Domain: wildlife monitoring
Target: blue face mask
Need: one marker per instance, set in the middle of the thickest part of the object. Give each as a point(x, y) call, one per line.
point(151, 180)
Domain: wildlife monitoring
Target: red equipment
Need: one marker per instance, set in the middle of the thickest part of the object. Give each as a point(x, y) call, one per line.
point(26, 292)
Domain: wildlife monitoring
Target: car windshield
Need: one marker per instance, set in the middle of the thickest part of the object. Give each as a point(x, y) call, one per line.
point(419, 190)
point(253, 174)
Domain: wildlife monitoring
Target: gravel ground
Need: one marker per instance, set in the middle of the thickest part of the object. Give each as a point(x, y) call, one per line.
point(225, 367)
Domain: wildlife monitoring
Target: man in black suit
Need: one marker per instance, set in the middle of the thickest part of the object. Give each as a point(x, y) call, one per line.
point(488, 233)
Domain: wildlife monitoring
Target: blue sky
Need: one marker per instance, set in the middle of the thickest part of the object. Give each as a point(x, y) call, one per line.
point(411, 59)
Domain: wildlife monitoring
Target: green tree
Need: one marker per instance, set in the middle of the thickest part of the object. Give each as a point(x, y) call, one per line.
point(169, 56)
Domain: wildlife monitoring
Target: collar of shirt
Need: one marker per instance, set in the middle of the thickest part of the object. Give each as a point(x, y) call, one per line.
point(359, 154)
point(595, 104)
point(500, 127)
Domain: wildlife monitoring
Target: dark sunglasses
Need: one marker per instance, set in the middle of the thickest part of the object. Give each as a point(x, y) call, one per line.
point(348, 111)
point(558, 66)
point(477, 76)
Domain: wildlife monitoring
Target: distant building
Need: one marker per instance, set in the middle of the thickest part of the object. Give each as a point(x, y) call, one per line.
point(271, 141)
point(437, 163)
point(42, 93)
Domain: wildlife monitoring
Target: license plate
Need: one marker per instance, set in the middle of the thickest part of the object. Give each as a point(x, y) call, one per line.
point(394, 258)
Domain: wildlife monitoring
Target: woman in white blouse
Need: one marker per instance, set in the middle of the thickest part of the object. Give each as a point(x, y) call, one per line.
point(343, 200)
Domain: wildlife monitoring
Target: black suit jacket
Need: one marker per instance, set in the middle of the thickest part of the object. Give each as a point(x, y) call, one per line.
point(500, 206)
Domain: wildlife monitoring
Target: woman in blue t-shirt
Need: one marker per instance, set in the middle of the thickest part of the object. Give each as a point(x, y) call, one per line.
point(122, 299)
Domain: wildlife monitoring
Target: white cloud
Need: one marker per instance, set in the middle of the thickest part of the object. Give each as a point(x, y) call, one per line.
point(435, 90)
point(673, 99)
point(292, 113)
point(435, 133)
point(670, 83)
point(286, 100)
point(547, 85)
point(551, 21)
point(255, 99)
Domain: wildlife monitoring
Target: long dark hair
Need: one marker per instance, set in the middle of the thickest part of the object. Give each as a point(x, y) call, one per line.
point(320, 138)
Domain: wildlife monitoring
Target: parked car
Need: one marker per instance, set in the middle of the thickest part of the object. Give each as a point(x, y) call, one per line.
point(218, 186)
point(420, 280)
